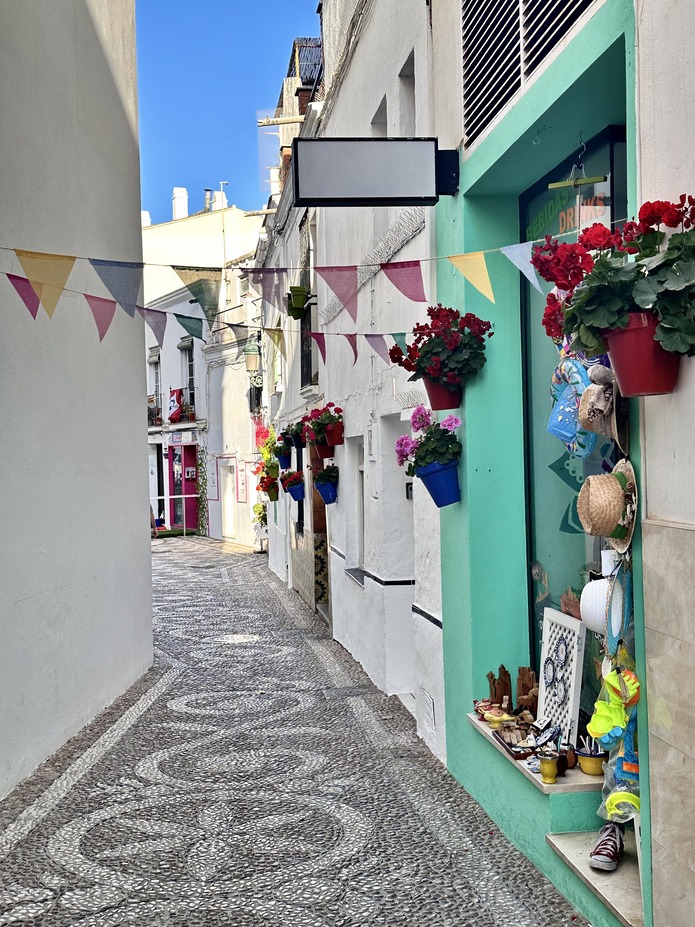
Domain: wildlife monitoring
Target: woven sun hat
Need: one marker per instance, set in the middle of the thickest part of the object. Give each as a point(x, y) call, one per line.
point(601, 408)
point(607, 505)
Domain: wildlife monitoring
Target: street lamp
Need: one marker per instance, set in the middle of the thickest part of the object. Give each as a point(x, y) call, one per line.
point(252, 356)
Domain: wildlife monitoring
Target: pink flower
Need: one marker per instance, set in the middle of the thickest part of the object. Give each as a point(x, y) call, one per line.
point(405, 446)
point(421, 418)
point(450, 423)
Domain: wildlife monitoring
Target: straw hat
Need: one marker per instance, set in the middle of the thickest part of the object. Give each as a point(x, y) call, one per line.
point(607, 505)
point(602, 409)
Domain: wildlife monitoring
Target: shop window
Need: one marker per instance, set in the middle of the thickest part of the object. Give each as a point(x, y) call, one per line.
point(560, 554)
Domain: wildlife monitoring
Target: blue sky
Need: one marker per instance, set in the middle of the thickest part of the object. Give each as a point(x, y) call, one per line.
point(204, 70)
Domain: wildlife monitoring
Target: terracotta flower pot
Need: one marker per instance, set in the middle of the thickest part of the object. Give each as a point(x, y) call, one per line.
point(440, 396)
point(642, 367)
point(335, 434)
point(323, 450)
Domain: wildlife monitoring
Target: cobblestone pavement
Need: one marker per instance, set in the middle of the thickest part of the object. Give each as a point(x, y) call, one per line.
point(254, 777)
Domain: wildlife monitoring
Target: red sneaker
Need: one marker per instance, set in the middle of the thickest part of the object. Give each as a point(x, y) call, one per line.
point(609, 848)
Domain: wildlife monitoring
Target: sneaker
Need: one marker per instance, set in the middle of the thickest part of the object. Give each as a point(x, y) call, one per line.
point(609, 848)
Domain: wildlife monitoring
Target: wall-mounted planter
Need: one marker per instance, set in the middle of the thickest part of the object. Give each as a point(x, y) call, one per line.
point(323, 450)
point(298, 441)
point(642, 367)
point(297, 492)
point(440, 396)
point(327, 491)
point(335, 434)
point(273, 494)
point(285, 460)
point(441, 482)
point(296, 301)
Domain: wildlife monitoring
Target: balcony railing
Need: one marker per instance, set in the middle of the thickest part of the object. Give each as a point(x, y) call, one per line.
point(154, 409)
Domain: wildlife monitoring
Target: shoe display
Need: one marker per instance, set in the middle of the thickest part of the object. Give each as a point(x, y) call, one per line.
point(609, 848)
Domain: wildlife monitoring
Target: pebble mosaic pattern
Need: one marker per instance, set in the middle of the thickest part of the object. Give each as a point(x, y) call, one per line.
point(254, 777)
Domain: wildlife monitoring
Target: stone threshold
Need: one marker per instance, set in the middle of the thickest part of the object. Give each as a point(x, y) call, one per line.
point(620, 891)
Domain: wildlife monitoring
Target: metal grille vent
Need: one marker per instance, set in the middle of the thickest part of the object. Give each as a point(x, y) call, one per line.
point(504, 42)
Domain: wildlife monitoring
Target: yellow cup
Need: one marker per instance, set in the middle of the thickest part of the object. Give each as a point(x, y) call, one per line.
point(591, 764)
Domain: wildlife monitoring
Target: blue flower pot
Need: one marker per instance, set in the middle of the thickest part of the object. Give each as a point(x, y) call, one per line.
point(284, 460)
point(327, 491)
point(441, 482)
point(297, 492)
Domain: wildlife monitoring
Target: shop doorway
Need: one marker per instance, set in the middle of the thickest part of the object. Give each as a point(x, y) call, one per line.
point(183, 483)
point(229, 499)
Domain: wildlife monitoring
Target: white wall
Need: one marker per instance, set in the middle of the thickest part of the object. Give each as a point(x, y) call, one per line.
point(75, 608)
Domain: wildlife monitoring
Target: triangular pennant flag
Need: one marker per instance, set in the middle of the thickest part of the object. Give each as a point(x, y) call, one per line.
point(378, 344)
point(103, 311)
point(203, 283)
point(272, 283)
point(26, 291)
point(474, 268)
point(194, 327)
point(406, 276)
point(343, 282)
point(352, 339)
point(320, 340)
point(122, 279)
point(399, 338)
point(277, 336)
point(157, 321)
point(241, 334)
point(48, 274)
point(520, 256)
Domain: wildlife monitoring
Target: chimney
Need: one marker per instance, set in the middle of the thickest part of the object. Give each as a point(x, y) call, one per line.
point(219, 200)
point(207, 205)
point(179, 203)
point(303, 95)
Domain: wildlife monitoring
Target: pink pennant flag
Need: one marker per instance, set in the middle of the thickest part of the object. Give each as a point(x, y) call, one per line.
point(157, 320)
point(272, 283)
point(26, 291)
point(406, 276)
point(378, 344)
point(103, 311)
point(320, 340)
point(343, 282)
point(352, 339)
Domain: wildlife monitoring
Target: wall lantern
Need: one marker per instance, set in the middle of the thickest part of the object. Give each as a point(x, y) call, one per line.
point(372, 171)
point(252, 356)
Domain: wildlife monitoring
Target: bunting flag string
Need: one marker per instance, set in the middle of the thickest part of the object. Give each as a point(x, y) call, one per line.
point(157, 320)
point(27, 293)
point(277, 336)
point(352, 341)
point(343, 282)
point(473, 268)
point(47, 274)
point(378, 345)
point(122, 279)
point(193, 326)
point(406, 276)
point(272, 283)
point(399, 338)
point(320, 339)
point(103, 311)
point(203, 283)
point(520, 256)
point(240, 334)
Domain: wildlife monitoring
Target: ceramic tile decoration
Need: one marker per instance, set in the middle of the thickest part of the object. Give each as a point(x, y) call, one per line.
point(559, 688)
point(254, 776)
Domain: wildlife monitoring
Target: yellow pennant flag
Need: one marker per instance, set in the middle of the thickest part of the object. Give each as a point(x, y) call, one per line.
point(474, 268)
point(277, 336)
point(47, 273)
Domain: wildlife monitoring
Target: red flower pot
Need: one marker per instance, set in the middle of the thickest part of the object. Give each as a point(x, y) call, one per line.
point(335, 434)
point(642, 367)
point(440, 396)
point(323, 450)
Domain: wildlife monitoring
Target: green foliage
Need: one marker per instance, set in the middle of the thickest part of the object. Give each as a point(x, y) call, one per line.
point(327, 474)
point(260, 514)
point(435, 444)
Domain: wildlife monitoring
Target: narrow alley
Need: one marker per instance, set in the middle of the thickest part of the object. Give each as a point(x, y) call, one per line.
point(254, 776)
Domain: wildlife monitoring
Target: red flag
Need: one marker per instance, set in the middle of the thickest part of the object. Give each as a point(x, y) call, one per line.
point(406, 276)
point(343, 282)
point(103, 311)
point(175, 400)
point(26, 291)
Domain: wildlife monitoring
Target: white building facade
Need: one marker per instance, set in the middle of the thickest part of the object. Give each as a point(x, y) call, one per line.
point(75, 595)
